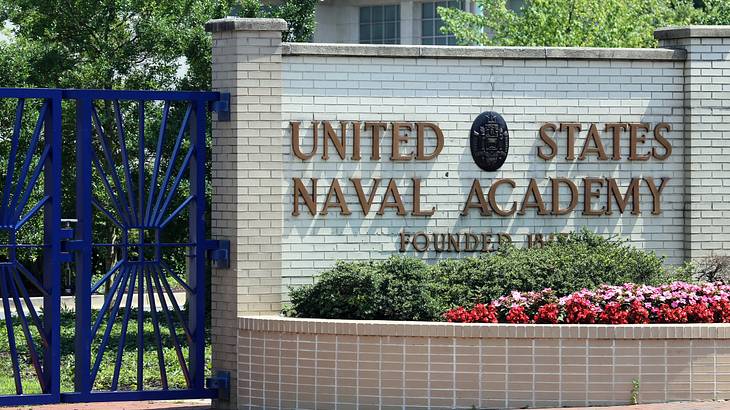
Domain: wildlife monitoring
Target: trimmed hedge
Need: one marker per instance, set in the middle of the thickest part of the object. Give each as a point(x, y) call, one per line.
point(407, 288)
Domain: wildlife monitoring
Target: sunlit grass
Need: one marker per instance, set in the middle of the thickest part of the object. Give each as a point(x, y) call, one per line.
point(127, 370)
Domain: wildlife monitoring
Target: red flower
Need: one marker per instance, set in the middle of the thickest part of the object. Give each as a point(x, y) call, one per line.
point(638, 314)
point(484, 314)
point(667, 314)
point(699, 313)
point(580, 310)
point(613, 314)
point(721, 309)
point(547, 313)
point(517, 315)
point(459, 315)
point(480, 313)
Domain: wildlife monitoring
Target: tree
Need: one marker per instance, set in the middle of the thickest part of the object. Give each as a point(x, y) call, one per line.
point(126, 44)
point(116, 44)
point(298, 13)
point(579, 23)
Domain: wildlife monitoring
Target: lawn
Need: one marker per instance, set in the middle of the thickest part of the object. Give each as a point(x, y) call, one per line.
point(127, 370)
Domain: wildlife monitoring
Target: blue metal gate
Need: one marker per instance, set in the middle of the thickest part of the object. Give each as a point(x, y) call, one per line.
point(138, 243)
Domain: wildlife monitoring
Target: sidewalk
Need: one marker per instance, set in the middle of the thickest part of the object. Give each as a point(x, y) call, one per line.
point(710, 405)
point(205, 405)
point(126, 405)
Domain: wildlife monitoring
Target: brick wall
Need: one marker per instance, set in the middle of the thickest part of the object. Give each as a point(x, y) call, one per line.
point(684, 84)
point(707, 168)
point(246, 206)
point(312, 364)
point(528, 92)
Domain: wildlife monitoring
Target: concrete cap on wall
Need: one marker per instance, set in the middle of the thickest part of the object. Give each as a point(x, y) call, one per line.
point(245, 24)
point(572, 53)
point(668, 33)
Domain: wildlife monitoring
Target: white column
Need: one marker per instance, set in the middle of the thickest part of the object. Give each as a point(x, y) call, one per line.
point(247, 172)
point(707, 135)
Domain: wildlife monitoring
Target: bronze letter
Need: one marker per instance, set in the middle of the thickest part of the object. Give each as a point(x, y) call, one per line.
point(295, 140)
point(395, 154)
point(415, 242)
point(397, 202)
point(330, 134)
point(589, 193)
point(656, 193)
point(533, 190)
point(599, 149)
point(571, 128)
point(309, 200)
point(417, 200)
point(659, 137)
point(421, 141)
point(549, 141)
point(476, 190)
point(486, 242)
point(618, 128)
point(340, 198)
point(492, 195)
point(403, 241)
point(443, 245)
point(470, 246)
point(454, 242)
point(556, 196)
point(365, 204)
point(635, 139)
point(356, 141)
point(615, 192)
point(375, 129)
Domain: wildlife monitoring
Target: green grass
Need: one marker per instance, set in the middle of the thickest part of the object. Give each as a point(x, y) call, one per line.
point(128, 368)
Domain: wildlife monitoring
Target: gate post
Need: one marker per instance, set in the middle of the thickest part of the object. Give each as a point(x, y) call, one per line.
point(247, 159)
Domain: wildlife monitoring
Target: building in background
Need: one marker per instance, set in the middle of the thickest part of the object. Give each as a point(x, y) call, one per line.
point(384, 21)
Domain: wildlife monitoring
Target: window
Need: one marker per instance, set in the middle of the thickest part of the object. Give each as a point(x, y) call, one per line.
point(380, 24)
point(431, 23)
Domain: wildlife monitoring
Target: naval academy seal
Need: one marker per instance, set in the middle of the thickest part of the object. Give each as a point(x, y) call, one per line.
point(489, 140)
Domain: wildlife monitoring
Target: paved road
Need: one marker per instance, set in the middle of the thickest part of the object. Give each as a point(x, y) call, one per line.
point(68, 302)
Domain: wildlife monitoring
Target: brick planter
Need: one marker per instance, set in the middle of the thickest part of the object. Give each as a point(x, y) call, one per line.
point(309, 363)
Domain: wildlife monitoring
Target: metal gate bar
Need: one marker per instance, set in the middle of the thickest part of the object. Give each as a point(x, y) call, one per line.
point(141, 208)
point(16, 209)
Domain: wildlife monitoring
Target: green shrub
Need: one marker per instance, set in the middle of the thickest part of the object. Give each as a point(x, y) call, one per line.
point(406, 288)
point(394, 289)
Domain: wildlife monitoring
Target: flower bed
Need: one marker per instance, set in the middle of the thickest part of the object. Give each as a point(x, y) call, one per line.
point(677, 302)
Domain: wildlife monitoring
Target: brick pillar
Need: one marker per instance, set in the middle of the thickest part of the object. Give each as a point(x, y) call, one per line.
point(247, 193)
point(707, 135)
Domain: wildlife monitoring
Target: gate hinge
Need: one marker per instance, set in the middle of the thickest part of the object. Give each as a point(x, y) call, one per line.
point(222, 107)
point(219, 252)
point(221, 382)
point(68, 245)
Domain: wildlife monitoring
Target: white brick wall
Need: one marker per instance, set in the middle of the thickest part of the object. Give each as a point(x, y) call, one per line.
point(246, 169)
point(451, 93)
point(274, 84)
point(707, 193)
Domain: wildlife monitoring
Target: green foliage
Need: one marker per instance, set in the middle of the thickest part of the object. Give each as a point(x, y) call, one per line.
point(405, 288)
point(635, 386)
point(396, 289)
point(299, 14)
point(579, 23)
point(713, 12)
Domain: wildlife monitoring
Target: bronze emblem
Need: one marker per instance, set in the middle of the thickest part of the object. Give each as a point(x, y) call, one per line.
point(489, 140)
